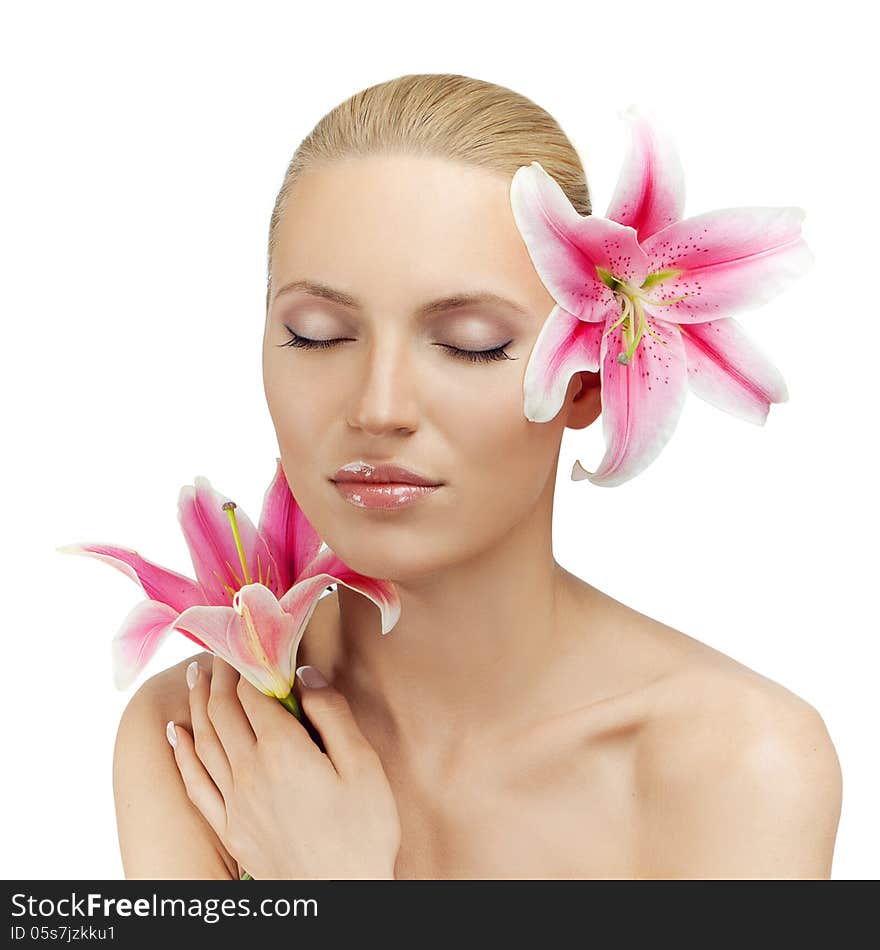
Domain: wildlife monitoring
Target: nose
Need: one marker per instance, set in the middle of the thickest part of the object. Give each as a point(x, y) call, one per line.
point(383, 398)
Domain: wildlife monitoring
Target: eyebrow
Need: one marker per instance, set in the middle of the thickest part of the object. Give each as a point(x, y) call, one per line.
point(441, 305)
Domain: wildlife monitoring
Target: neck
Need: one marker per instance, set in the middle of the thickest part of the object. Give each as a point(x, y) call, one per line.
point(470, 648)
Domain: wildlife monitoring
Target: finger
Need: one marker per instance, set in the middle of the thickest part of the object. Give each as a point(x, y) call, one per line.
point(229, 719)
point(200, 787)
point(267, 716)
point(207, 745)
point(331, 715)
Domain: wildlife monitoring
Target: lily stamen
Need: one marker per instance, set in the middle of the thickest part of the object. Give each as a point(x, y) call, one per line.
point(631, 308)
point(654, 334)
point(624, 358)
point(637, 292)
point(626, 311)
point(664, 303)
point(229, 507)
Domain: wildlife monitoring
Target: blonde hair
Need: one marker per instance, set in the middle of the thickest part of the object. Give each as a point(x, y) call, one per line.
point(439, 114)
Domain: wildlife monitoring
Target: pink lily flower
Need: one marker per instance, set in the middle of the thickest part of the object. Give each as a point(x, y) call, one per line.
point(253, 614)
point(646, 299)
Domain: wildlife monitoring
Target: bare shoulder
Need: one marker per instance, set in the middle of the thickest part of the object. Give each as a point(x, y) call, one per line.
point(166, 691)
point(161, 833)
point(738, 778)
point(733, 775)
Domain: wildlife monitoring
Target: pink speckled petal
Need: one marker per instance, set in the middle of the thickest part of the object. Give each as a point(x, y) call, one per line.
point(729, 371)
point(242, 640)
point(139, 637)
point(290, 536)
point(731, 260)
point(564, 346)
point(641, 403)
point(650, 191)
point(208, 532)
point(383, 593)
point(158, 583)
point(259, 635)
point(265, 636)
point(566, 248)
point(211, 625)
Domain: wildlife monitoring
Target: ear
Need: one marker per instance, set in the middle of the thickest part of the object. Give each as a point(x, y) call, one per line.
point(583, 400)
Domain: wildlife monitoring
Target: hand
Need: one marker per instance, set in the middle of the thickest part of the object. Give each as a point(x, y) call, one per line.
point(279, 805)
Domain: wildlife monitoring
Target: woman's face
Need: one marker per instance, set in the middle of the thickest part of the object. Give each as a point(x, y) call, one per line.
point(395, 233)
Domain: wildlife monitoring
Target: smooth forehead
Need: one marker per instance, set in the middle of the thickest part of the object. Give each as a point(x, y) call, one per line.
point(392, 216)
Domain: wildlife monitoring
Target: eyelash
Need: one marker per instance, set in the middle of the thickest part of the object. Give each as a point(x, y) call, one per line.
point(471, 356)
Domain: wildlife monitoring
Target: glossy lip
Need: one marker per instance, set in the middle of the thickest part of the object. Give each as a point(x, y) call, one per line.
point(383, 496)
point(380, 474)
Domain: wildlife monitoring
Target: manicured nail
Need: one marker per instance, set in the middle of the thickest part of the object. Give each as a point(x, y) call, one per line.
point(192, 673)
point(171, 733)
point(311, 676)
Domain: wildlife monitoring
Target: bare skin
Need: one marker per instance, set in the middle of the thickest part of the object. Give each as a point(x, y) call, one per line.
point(530, 725)
point(590, 786)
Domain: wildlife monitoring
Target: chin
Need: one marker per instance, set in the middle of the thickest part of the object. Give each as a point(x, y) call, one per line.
point(389, 567)
point(399, 565)
point(408, 557)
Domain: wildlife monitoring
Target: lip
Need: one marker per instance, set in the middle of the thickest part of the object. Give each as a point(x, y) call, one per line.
point(389, 495)
point(381, 473)
point(381, 485)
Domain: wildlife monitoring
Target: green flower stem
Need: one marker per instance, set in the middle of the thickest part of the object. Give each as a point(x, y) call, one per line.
point(290, 703)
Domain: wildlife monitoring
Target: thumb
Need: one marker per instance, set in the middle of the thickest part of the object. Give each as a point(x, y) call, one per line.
point(331, 715)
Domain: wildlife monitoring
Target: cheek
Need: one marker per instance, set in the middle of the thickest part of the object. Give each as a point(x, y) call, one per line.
point(303, 417)
point(491, 438)
point(296, 402)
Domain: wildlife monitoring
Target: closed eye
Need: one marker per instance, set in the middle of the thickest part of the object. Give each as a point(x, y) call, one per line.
point(472, 356)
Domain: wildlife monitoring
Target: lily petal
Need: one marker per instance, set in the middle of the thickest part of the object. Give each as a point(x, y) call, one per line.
point(255, 635)
point(290, 536)
point(158, 583)
point(208, 532)
point(142, 632)
point(564, 346)
point(566, 247)
point(728, 370)
point(730, 260)
point(650, 190)
point(383, 593)
point(641, 403)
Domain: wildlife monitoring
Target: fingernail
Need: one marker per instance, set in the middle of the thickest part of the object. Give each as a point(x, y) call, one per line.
point(311, 676)
point(192, 673)
point(171, 733)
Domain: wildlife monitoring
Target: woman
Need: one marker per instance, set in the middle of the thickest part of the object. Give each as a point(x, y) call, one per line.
point(521, 723)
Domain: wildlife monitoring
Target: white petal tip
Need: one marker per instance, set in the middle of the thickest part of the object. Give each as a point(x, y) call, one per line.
point(537, 410)
point(578, 472)
point(391, 622)
point(122, 679)
point(526, 171)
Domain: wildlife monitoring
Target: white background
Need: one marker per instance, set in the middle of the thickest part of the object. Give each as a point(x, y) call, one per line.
point(144, 148)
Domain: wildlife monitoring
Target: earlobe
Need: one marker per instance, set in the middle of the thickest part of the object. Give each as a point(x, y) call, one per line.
point(586, 403)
